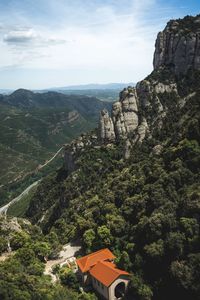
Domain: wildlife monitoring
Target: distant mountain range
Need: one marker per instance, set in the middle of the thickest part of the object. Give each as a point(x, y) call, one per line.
point(81, 87)
point(35, 125)
point(105, 92)
point(94, 86)
point(5, 91)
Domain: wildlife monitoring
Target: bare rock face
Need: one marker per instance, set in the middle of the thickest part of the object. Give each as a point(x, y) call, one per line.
point(72, 116)
point(142, 111)
point(70, 154)
point(125, 113)
point(143, 129)
point(106, 127)
point(126, 121)
point(124, 118)
point(157, 149)
point(178, 46)
point(127, 149)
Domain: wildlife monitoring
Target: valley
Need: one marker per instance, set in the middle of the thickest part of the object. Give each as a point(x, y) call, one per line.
point(123, 199)
point(34, 126)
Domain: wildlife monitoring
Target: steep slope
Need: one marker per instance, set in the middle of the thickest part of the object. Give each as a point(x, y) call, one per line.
point(146, 207)
point(34, 126)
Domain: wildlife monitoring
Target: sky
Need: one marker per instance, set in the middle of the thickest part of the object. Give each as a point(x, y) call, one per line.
point(52, 43)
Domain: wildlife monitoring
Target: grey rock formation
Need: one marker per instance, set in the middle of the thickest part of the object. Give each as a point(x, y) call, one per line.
point(143, 129)
point(72, 116)
point(70, 153)
point(127, 149)
point(157, 149)
point(124, 122)
point(124, 119)
point(177, 48)
point(125, 113)
point(142, 111)
point(106, 127)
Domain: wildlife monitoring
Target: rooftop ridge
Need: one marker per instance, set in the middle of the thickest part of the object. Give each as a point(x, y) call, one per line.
point(106, 272)
point(86, 262)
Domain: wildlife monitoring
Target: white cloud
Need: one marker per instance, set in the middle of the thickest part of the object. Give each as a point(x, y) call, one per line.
point(29, 38)
point(107, 39)
point(95, 38)
point(20, 36)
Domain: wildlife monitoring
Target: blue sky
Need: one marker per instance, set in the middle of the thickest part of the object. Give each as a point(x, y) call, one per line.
point(47, 43)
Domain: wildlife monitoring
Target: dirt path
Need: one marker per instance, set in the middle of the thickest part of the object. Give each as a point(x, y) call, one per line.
point(67, 252)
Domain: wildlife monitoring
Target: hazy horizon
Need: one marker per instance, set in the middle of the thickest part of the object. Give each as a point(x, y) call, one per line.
point(74, 86)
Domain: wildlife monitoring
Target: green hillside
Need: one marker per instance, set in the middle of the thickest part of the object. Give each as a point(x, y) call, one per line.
point(34, 126)
point(132, 186)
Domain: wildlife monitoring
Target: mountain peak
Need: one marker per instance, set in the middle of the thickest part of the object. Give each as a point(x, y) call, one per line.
point(178, 45)
point(145, 110)
point(21, 92)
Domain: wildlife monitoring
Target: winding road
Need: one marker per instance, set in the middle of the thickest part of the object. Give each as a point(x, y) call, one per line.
point(50, 160)
point(4, 209)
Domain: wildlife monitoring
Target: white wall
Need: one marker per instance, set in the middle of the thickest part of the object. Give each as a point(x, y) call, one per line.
point(100, 288)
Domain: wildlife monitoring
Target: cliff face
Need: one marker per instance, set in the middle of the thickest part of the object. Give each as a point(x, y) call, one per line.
point(125, 121)
point(143, 110)
point(179, 47)
point(106, 127)
point(138, 111)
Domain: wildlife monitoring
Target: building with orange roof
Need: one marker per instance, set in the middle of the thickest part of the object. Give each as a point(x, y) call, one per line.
point(99, 270)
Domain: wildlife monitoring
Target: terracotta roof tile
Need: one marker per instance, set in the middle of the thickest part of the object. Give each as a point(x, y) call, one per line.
point(86, 262)
point(106, 272)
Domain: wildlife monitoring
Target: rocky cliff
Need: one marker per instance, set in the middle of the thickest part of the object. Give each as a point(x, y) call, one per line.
point(125, 121)
point(142, 111)
point(178, 46)
point(138, 112)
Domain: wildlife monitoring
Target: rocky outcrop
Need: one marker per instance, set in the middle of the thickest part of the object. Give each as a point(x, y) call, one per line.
point(125, 113)
point(124, 118)
point(143, 110)
point(73, 150)
point(106, 127)
point(69, 160)
point(178, 46)
point(72, 116)
point(126, 121)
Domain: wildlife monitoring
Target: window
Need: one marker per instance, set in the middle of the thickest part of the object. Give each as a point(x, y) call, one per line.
point(102, 286)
